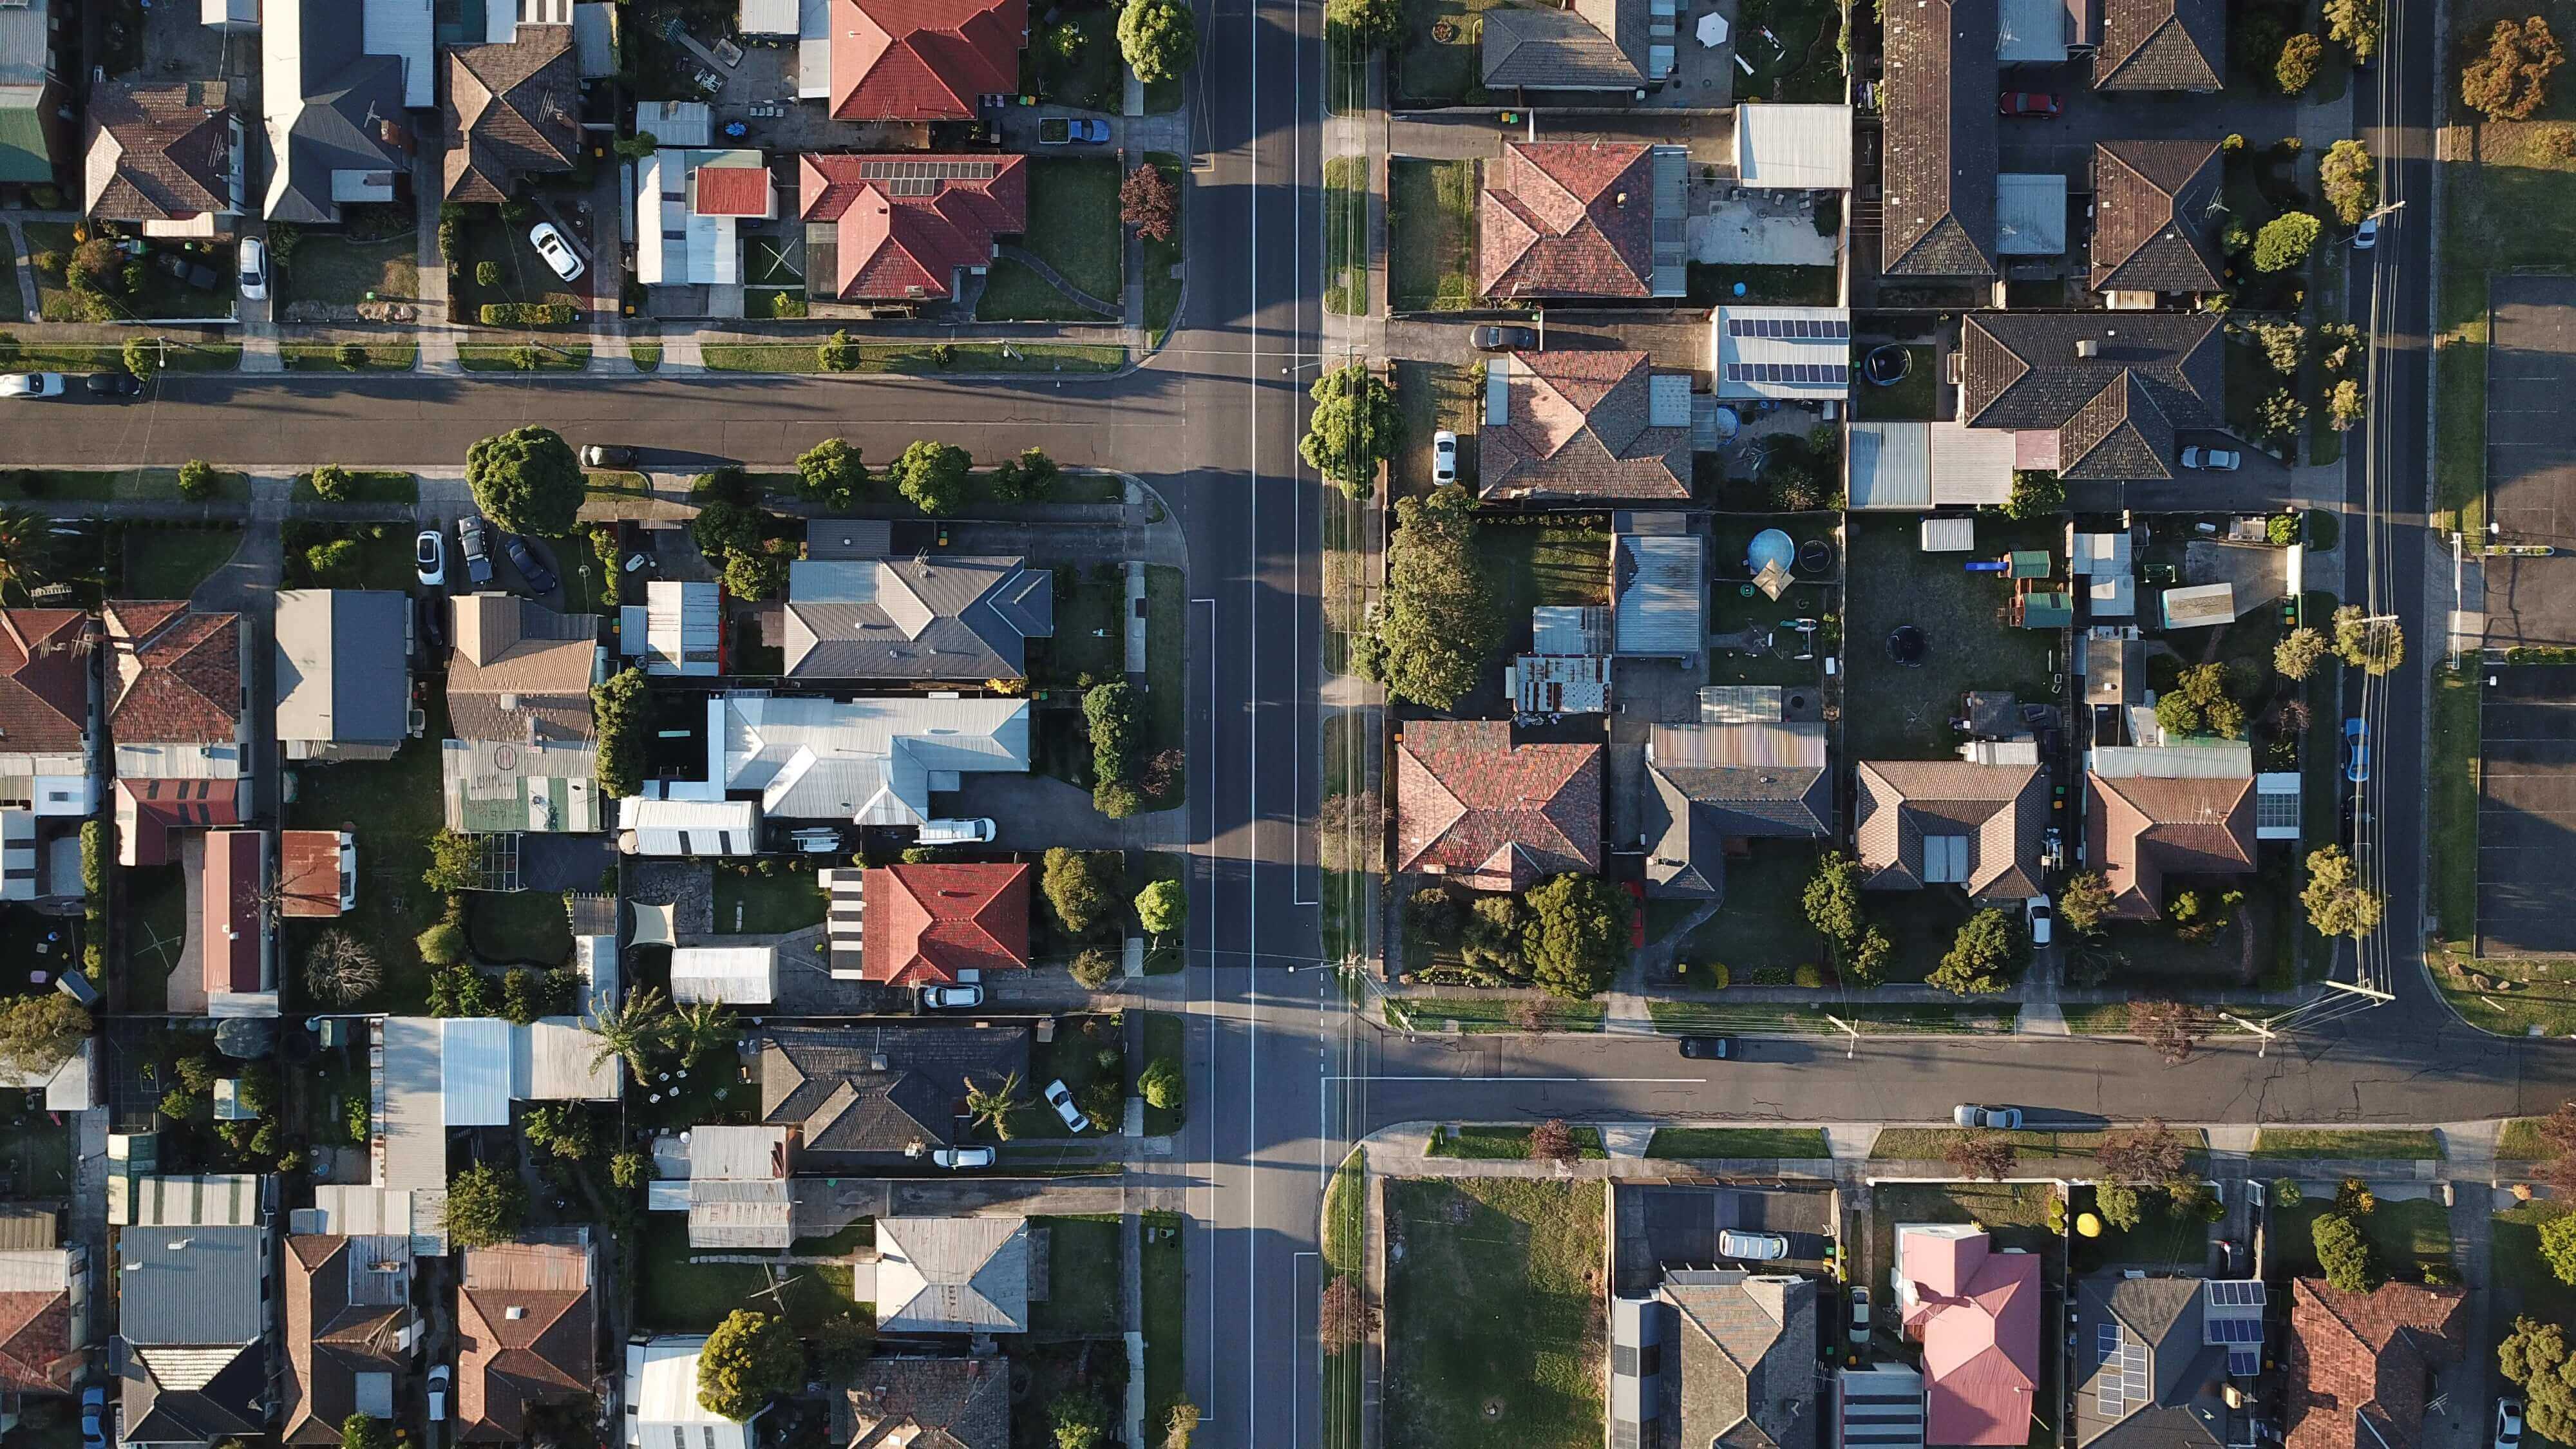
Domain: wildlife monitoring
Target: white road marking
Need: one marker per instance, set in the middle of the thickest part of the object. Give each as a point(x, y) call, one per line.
point(1627, 1081)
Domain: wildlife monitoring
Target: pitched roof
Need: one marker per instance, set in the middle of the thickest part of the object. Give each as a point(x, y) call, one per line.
point(178, 673)
point(44, 679)
point(2141, 828)
point(1580, 424)
point(512, 110)
point(147, 811)
point(340, 671)
point(1472, 805)
point(2161, 45)
point(344, 1318)
point(2355, 1356)
point(927, 923)
point(2157, 1325)
point(878, 1091)
point(36, 1350)
point(1747, 1350)
point(890, 239)
point(1567, 219)
point(1706, 784)
point(159, 152)
point(327, 106)
point(952, 1275)
point(923, 60)
point(525, 1319)
point(2152, 216)
point(1596, 45)
point(1976, 1312)
point(1941, 158)
point(731, 191)
point(1996, 811)
point(520, 671)
point(915, 617)
point(229, 933)
point(309, 882)
point(2115, 386)
point(927, 1403)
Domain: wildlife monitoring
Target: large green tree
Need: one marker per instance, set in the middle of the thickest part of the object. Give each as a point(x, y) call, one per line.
point(1163, 906)
point(1438, 623)
point(831, 473)
point(485, 1205)
point(2285, 241)
point(617, 710)
point(1356, 426)
point(932, 475)
point(1833, 901)
point(2344, 1253)
point(1373, 22)
point(1081, 886)
point(1986, 949)
point(2339, 902)
point(37, 1033)
point(526, 481)
point(1160, 39)
point(750, 1359)
point(2511, 81)
point(1576, 934)
point(2535, 1356)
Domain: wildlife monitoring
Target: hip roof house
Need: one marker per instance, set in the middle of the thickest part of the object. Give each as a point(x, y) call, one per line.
point(1473, 807)
point(525, 1323)
point(1976, 1313)
point(881, 1095)
point(1949, 822)
point(904, 227)
point(335, 78)
point(167, 156)
point(944, 618)
point(952, 1275)
point(922, 60)
point(1581, 219)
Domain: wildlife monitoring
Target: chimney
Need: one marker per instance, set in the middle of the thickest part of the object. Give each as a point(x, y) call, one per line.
point(2088, 348)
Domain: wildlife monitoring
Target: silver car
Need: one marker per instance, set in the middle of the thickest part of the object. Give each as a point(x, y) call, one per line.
point(1752, 1247)
point(1061, 1099)
point(2001, 1118)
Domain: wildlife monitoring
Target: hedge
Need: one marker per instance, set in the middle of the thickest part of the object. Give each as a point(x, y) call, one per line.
point(527, 314)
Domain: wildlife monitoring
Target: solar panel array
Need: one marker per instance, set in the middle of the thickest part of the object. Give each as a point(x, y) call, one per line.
point(2235, 1293)
point(1834, 374)
point(1819, 329)
point(2244, 1363)
point(2236, 1330)
point(2121, 1362)
point(923, 178)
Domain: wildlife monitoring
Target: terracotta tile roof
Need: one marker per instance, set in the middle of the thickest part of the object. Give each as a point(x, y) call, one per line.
point(886, 245)
point(1999, 810)
point(1976, 1313)
point(924, 60)
point(2161, 45)
point(2114, 386)
point(36, 1350)
point(159, 152)
point(2140, 829)
point(732, 191)
point(2152, 219)
point(44, 679)
point(1476, 808)
point(228, 932)
point(1567, 219)
point(525, 1325)
point(330, 1340)
point(926, 923)
point(178, 673)
point(308, 872)
point(927, 1403)
point(512, 110)
point(520, 672)
point(2352, 1356)
point(148, 811)
point(1579, 425)
point(1941, 157)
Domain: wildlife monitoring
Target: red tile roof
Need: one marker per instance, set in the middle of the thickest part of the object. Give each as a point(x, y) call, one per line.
point(229, 932)
point(1567, 219)
point(308, 872)
point(2366, 1355)
point(1976, 1312)
point(733, 191)
point(506, 1362)
point(36, 1351)
point(178, 673)
point(44, 679)
point(1474, 807)
point(886, 245)
point(1580, 425)
point(147, 811)
point(924, 60)
point(926, 923)
point(2142, 828)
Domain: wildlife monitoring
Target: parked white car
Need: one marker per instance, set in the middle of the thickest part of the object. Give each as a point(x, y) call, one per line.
point(253, 269)
point(558, 253)
point(1444, 456)
point(962, 1159)
point(1752, 1247)
point(2043, 920)
point(32, 384)
point(951, 998)
point(1061, 1100)
point(2508, 1428)
point(978, 831)
point(2001, 1118)
point(440, 1376)
point(429, 558)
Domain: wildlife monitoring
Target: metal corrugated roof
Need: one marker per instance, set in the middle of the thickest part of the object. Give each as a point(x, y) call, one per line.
point(1793, 147)
point(474, 1060)
point(745, 974)
point(1657, 599)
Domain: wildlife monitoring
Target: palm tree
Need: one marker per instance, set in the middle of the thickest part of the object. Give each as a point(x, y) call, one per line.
point(24, 543)
point(632, 1028)
point(701, 1027)
point(994, 1108)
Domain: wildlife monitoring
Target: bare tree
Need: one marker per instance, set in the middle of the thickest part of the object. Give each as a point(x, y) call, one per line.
point(341, 969)
point(1551, 1141)
point(1345, 1317)
point(1989, 1155)
point(2558, 1132)
point(2147, 1155)
point(1350, 832)
point(2172, 1028)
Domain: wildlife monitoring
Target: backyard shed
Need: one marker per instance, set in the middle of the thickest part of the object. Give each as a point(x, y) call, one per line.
point(2199, 606)
point(2054, 609)
point(1793, 147)
point(746, 975)
point(1949, 535)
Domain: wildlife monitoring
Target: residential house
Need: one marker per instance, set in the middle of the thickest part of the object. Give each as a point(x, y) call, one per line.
point(1798, 354)
point(520, 675)
point(951, 1275)
point(1940, 157)
point(1595, 45)
point(1749, 774)
point(45, 771)
point(1793, 147)
point(191, 1351)
point(512, 110)
point(502, 787)
point(2177, 810)
point(701, 197)
point(921, 60)
point(1722, 1357)
point(137, 1196)
point(436, 1075)
point(2154, 1356)
point(168, 157)
point(175, 711)
point(349, 1332)
point(2094, 396)
point(662, 1405)
point(2162, 45)
point(526, 1335)
point(654, 826)
point(1582, 219)
point(934, 924)
point(920, 617)
point(317, 872)
point(35, 103)
point(233, 936)
point(735, 1191)
point(1952, 822)
point(45, 1305)
point(343, 673)
point(1584, 426)
point(1976, 1311)
point(867, 761)
point(335, 79)
point(1567, 670)
point(1878, 1406)
point(2153, 220)
point(2358, 1370)
point(926, 1403)
point(880, 1096)
point(1475, 808)
point(899, 228)
point(678, 630)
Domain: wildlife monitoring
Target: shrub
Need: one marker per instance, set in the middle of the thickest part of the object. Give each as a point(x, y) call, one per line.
point(2350, 180)
point(197, 481)
point(1163, 1084)
point(838, 353)
point(2344, 1254)
point(2283, 343)
point(2285, 241)
point(487, 274)
point(2345, 405)
point(332, 483)
point(442, 944)
point(352, 355)
point(786, 304)
point(2280, 417)
point(2034, 495)
point(749, 1360)
point(1149, 202)
point(526, 314)
point(1094, 968)
point(143, 357)
point(1810, 977)
point(2297, 67)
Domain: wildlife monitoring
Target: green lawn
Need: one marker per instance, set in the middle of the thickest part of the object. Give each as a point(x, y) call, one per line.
point(921, 357)
point(339, 271)
point(518, 928)
point(1014, 293)
point(647, 356)
point(1969, 646)
point(1164, 1276)
point(1475, 1014)
point(1921, 1144)
point(1713, 282)
point(2520, 1281)
point(1435, 395)
point(2292, 1143)
point(1346, 292)
point(1430, 235)
point(1084, 1261)
point(366, 485)
point(1762, 924)
point(1911, 396)
point(1503, 1144)
point(2161, 1241)
point(1494, 1313)
point(2408, 1234)
point(1166, 637)
point(1081, 70)
point(2520, 1141)
point(1536, 562)
point(764, 905)
point(1162, 259)
point(1075, 1058)
point(326, 357)
point(169, 563)
point(851, 1238)
point(2452, 815)
point(523, 275)
point(383, 559)
point(1755, 1142)
point(110, 356)
point(530, 356)
point(395, 807)
point(2015, 1213)
point(680, 1296)
point(1073, 222)
point(1785, 1019)
point(1344, 1228)
point(1165, 1039)
point(152, 910)
point(1440, 60)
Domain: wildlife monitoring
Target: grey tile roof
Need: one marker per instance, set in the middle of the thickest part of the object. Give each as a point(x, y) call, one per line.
point(2163, 1316)
point(927, 1403)
point(512, 109)
point(2000, 809)
point(2161, 45)
point(349, 100)
point(1598, 45)
point(1746, 1377)
point(2152, 217)
point(340, 667)
point(1685, 851)
point(875, 1091)
point(1940, 160)
point(948, 618)
point(952, 1275)
point(2146, 375)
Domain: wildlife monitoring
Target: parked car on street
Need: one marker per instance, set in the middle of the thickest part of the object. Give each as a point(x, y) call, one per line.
point(474, 540)
point(541, 579)
point(32, 384)
point(2213, 460)
point(1496, 337)
point(2356, 751)
point(1752, 1247)
point(1067, 131)
point(607, 455)
point(2366, 235)
point(960, 1159)
point(1709, 1048)
point(93, 1418)
point(251, 264)
point(113, 384)
point(1444, 456)
point(2003, 1119)
point(1061, 1099)
point(550, 244)
point(950, 998)
point(429, 558)
point(2038, 105)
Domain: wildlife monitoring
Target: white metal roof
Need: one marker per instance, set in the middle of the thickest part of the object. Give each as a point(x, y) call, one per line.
point(2114, 596)
point(1794, 147)
point(1948, 535)
point(740, 1153)
point(675, 123)
point(2199, 760)
point(1786, 352)
point(1919, 465)
point(2032, 32)
point(662, 1396)
point(411, 1113)
point(688, 827)
point(744, 974)
point(2030, 214)
point(2097, 552)
point(474, 1059)
point(403, 28)
point(682, 623)
point(557, 1059)
point(2199, 606)
point(767, 17)
point(872, 761)
point(594, 38)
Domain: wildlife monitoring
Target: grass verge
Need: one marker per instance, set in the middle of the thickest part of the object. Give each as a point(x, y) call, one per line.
point(1504, 1144)
point(2279, 1142)
point(1718, 1142)
point(1346, 236)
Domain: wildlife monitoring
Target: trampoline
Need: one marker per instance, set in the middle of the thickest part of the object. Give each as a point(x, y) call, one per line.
point(1815, 556)
point(1887, 365)
point(1907, 646)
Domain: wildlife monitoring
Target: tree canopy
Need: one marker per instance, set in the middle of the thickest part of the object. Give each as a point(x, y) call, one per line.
point(1160, 39)
point(2035, 494)
point(932, 475)
point(2285, 241)
point(2350, 179)
point(526, 481)
point(2376, 643)
point(2344, 1253)
point(831, 473)
point(2299, 653)
point(750, 1359)
point(485, 1205)
point(1576, 934)
point(1833, 901)
point(1437, 624)
point(1162, 907)
point(2511, 81)
point(38, 1033)
point(2356, 23)
point(1149, 202)
point(2339, 903)
point(1356, 425)
point(1081, 886)
point(2083, 902)
point(1373, 22)
point(1985, 949)
point(2535, 1356)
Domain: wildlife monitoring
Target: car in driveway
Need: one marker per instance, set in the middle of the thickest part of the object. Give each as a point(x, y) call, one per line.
point(474, 540)
point(195, 274)
point(1060, 1098)
point(1968, 1114)
point(1073, 131)
point(550, 244)
point(1860, 1315)
point(31, 384)
point(2508, 1424)
point(113, 384)
point(977, 831)
point(541, 579)
point(1752, 1247)
point(429, 558)
point(2028, 105)
point(251, 265)
point(2356, 751)
point(1444, 456)
point(963, 1159)
point(93, 1417)
point(440, 1377)
point(1709, 1048)
point(949, 998)
point(2212, 460)
point(607, 455)
point(1505, 337)
point(2043, 920)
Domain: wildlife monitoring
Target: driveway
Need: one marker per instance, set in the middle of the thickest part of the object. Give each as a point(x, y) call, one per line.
point(1033, 812)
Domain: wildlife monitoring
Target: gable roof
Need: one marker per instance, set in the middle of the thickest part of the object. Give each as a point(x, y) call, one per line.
point(1708, 783)
point(525, 1319)
point(923, 60)
point(1567, 219)
point(520, 672)
point(926, 1403)
point(1596, 45)
point(1581, 424)
point(159, 152)
point(1976, 1312)
point(148, 810)
point(952, 1275)
point(345, 1317)
point(2114, 385)
point(1998, 810)
point(1472, 805)
point(512, 110)
point(44, 679)
point(37, 1354)
point(341, 675)
point(1747, 1350)
point(2161, 45)
point(2151, 232)
point(927, 923)
point(902, 225)
point(2156, 1326)
point(1940, 154)
point(229, 932)
point(915, 617)
point(178, 673)
point(880, 1091)
point(2357, 1356)
point(2141, 827)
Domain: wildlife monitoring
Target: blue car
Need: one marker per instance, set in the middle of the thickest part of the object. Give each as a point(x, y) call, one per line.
point(2356, 751)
